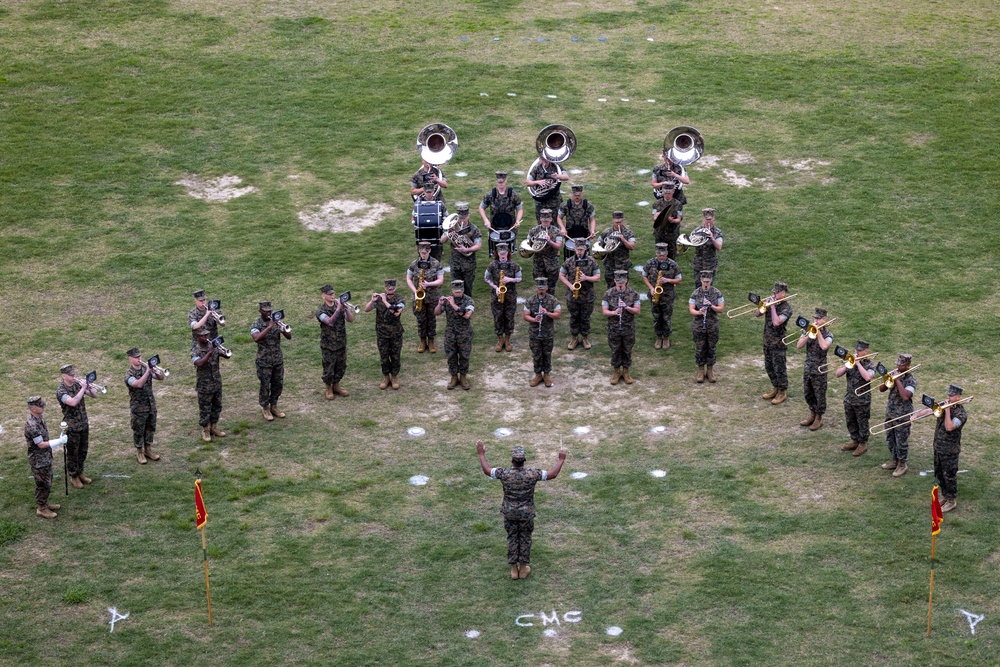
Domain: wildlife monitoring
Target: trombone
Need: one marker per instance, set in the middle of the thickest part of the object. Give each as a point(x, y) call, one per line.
point(808, 329)
point(849, 359)
point(758, 304)
point(933, 407)
point(886, 379)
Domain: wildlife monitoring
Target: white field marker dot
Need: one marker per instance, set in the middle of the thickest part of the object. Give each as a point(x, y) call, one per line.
point(496, 39)
point(581, 430)
point(576, 171)
point(651, 101)
point(649, 39)
point(117, 476)
point(642, 203)
point(415, 432)
point(511, 94)
point(613, 631)
point(602, 99)
point(625, 99)
point(658, 473)
point(461, 174)
point(518, 172)
point(642, 172)
point(484, 94)
point(643, 297)
point(552, 97)
point(419, 480)
point(578, 475)
point(637, 268)
point(924, 473)
point(550, 633)
point(472, 634)
point(446, 269)
point(658, 429)
point(503, 432)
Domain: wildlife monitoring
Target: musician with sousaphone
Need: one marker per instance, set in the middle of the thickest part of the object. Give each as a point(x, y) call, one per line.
point(542, 246)
point(858, 368)
point(502, 275)
point(506, 211)
point(466, 240)
point(682, 146)
point(436, 144)
point(614, 245)
point(667, 218)
point(576, 219)
point(579, 274)
point(555, 144)
point(661, 275)
point(814, 382)
point(424, 275)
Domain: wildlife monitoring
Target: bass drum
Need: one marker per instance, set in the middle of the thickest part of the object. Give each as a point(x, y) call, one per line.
point(502, 232)
point(428, 218)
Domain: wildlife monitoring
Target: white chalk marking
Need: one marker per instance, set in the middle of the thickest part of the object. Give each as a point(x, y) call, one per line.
point(517, 621)
point(472, 634)
point(578, 475)
point(117, 476)
point(554, 618)
point(446, 269)
point(625, 99)
point(614, 631)
point(484, 94)
point(973, 619)
point(552, 97)
point(602, 99)
point(214, 189)
point(658, 429)
point(521, 299)
point(496, 39)
point(642, 203)
point(961, 471)
point(637, 268)
point(649, 39)
point(415, 431)
point(461, 174)
point(518, 171)
point(576, 171)
point(642, 171)
point(1, 430)
point(419, 480)
point(503, 432)
point(643, 297)
point(115, 617)
point(924, 473)
point(658, 473)
point(572, 616)
point(511, 94)
point(550, 633)
point(651, 101)
point(581, 430)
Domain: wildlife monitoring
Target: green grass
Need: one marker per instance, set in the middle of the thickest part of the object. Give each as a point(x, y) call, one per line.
point(762, 545)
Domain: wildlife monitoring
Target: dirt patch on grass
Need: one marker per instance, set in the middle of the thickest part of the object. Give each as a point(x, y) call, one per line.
point(221, 189)
point(781, 173)
point(343, 215)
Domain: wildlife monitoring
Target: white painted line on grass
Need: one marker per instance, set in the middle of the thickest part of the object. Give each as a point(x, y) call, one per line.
point(973, 619)
point(551, 632)
point(642, 172)
point(642, 203)
point(419, 480)
point(503, 432)
point(415, 431)
point(578, 475)
point(658, 429)
point(117, 476)
point(472, 634)
point(461, 174)
point(115, 617)
point(581, 430)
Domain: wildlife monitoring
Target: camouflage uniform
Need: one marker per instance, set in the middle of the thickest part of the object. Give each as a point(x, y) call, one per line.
point(505, 204)
point(545, 262)
point(576, 220)
point(775, 351)
point(463, 265)
point(664, 310)
point(662, 172)
point(706, 257)
point(518, 509)
point(333, 344)
point(553, 200)
point(141, 407)
point(947, 446)
point(389, 334)
point(417, 181)
point(195, 315)
point(35, 432)
point(77, 428)
point(668, 232)
point(857, 409)
point(426, 320)
point(705, 329)
point(813, 382)
point(541, 342)
point(580, 309)
point(621, 340)
point(208, 385)
point(458, 335)
point(898, 439)
point(620, 258)
point(270, 364)
point(503, 313)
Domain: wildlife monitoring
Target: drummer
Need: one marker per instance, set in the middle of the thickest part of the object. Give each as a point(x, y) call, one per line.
point(506, 211)
point(429, 230)
point(576, 219)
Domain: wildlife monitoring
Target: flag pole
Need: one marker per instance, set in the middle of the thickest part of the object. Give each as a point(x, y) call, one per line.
point(208, 592)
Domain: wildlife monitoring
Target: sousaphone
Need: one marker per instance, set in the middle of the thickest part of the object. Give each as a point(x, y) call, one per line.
point(683, 145)
point(556, 143)
point(436, 144)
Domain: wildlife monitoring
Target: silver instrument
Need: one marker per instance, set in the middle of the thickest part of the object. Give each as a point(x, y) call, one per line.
point(217, 343)
point(154, 363)
point(683, 145)
point(699, 237)
point(436, 144)
point(345, 300)
point(555, 143)
point(530, 246)
point(279, 319)
point(92, 382)
point(602, 248)
point(215, 307)
point(621, 312)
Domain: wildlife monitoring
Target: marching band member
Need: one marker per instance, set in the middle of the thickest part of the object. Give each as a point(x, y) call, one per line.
point(670, 227)
point(466, 240)
point(270, 361)
point(40, 448)
point(705, 304)
point(621, 305)
point(430, 274)
point(205, 357)
point(503, 313)
point(428, 174)
point(813, 382)
point(580, 301)
point(857, 409)
point(506, 210)
point(900, 402)
point(388, 308)
point(333, 316)
point(541, 310)
point(665, 273)
point(458, 334)
point(71, 395)
point(706, 257)
point(428, 194)
point(202, 316)
point(775, 351)
point(947, 444)
point(620, 257)
point(668, 172)
point(142, 405)
point(545, 262)
point(576, 218)
point(541, 173)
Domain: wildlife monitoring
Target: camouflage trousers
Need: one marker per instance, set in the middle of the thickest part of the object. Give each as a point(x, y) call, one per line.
point(621, 343)
point(503, 314)
point(898, 441)
point(857, 417)
point(43, 484)
point(77, 445)
point(549, 271)
point(580, 311)
point(209, 407)
point(663, 312)
point(705, 341)
point(389, 352)
point(334, 364)
point(541, 353)
point(426, 319)
point(946, 471)
point(272, 382)
point(518, 539)
point(668, 234)
point(143, 428)
point(776, 367)
point(458, 351)
point(814, 391)
point(466, 272)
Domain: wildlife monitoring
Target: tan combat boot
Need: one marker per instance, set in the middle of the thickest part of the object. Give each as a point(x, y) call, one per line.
point(329, 392)
point(266, 410)
point(53, 507)
point(700, 377)
point(430, 346)
point(771, 394)
point(862, 448)
point(535, 381)
point(45, 512)
point(890, 465)
point(948, 506)
point(453, 382)
point(140, 457)
point(85, 479)
point(514, 573)
point(422, 346)
point(586, 343)
point(394, 382)
point(548, 379)
point(75, 481)
point(817, 423)
point(780, 397)
point(617, 376)
point(710, 374)
point(507, 347)
point(573, 342)
point(849, 447)
point(464, 381)
point(206, 435)
point(338, 390)
point(901, 469)
point(148, 451)
point(499, 346)
point(524, 569)
point(276, 412)
point(658, 345)
point(214, 430)
point(666, 342)
point(808, 420)
point(384, 384)
point(625, 376)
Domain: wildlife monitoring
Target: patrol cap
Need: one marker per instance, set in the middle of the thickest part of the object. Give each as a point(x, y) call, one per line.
point(779, 287)
point(200, 295)
point(861, 345)
point(134, 353)
point(580, 241)
point(621, 275)
point(503, 247)
point(462, 207)
point(389, 282)
point(67, 369)
point(201, 331)
point(708, 213)
point(542, 282)
point(820, 312)
point(424, 245)
point(705, 274)
point(517, 454)
point(265, 306)
point(458, 284)
point(904, 359)
point(618, 215)
point(954, 390)
point(327, 289)
point(662, 248)
point(501, 175)
point(576, 187)
point(40, 402)
point(545, 213)
point(669, 184)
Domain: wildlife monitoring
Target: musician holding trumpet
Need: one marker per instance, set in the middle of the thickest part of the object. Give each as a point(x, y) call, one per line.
point(205, 357)
point(71, 394)
point(333, 316)
point(814, 382)
point(947, 442)
point(466, 240)
point(388, 308)
point(142, 405)
point(203, 316)
point(776, 315)
point(661, 274)
point(503, 275)
point(857, 409)
point(267, 331)
point(579, 273)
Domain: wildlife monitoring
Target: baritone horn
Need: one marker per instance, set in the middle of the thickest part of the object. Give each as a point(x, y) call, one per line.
point(756, 303)
point(683, 145)
point(555, 143)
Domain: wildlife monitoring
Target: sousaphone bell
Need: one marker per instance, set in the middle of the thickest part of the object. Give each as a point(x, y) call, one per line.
point(683, 145)
point(555, 143)
point(437, 143)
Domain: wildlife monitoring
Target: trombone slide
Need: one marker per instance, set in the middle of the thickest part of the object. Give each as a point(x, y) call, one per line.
point(759, 307)
point(908, 418)
point(849, 362)
point(888, 380)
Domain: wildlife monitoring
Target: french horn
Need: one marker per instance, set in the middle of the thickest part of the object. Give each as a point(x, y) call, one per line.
point(601, 249)
point(555, 143)
point(530, 246)
point(698, 238)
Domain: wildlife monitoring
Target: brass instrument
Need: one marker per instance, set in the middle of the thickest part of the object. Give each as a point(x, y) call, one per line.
point(936, 409)
point(698, 237)
point(418, 296)
point(217, 343)
point(601, 249)
point(215, 306)
point(345, 300)
point(809, 329)
point(555, 143)
point(577, 283)
point(92, 382)
point(849, 360)
point(668, 212)
point(758, 304)
point(279, 319)
point(886, 378)
point(531, 245)
point(154, 363)
point(436, 144)
point(501, 288)
point(451, 229)
point(657, 287)
point(684, 145)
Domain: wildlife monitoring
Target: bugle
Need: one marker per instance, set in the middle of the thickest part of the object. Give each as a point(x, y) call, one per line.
point(345, 300)
point(215, 307)
point(886, 378)
point(849, 359)
point(934, 408)
point(217, 343)
point(810, 330)
point(756, 303)
point(92, 382)
point(154, 363)
point(279, 319)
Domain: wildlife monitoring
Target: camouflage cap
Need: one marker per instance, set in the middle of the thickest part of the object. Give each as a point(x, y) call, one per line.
point(517, 454)
point(503, 247)
point(265, 306)
point(542, 282)
point(36, 401)
point(580, 241)
point(424, 245)
point(545, 213)
point(134, 353)
point(954, 390)
point(575, 187)
point(708, 213)
point(67, 369)
point(820, 313)
point(201, 331)
point(618, 215)
point(705, 274)
point(621, 275)
point(389, 282)
point(669, 184)
point(501, 175)
point(662, 248)
point(458, 284)
point(861, 345)
point(462, 207)
point(904, 359)
point(779, 287)
point(200, 295)
point(327, 289)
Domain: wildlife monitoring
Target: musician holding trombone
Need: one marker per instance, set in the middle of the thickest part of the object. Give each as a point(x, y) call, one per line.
point(503, 275)
point(540, 312)
point(267, 331)
point(814, 382)
point(71, 395)
point(388, 308)
point(142, 405)
point(776, 316)
point(579, 274)
point(900, 402)
point(947, 442)
point(205, 357)
point(857, 409)
point(661, 274)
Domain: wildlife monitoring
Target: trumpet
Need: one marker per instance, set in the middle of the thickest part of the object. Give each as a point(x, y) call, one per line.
point(99, 388)
point(758, 304)
point(92, 382)
point(155, 367)
point(279, 319)
point(501, 288)
point(849, 359)
point(217, 343)
point(215, 307)
point(577, 283)
point(809, 329)
point(886, 379)
point(936, 409)
point(418, 296)
point(345, 300)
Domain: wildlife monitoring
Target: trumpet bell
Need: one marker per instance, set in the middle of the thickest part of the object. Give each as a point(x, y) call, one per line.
point(437, 143)
point(684, 145)
point(556, 143)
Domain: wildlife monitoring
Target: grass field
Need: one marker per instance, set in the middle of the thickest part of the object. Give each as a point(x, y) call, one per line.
point(851, 151)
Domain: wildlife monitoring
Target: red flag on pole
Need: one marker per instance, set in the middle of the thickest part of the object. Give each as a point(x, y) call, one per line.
point(201, 514)
point(936, 516)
